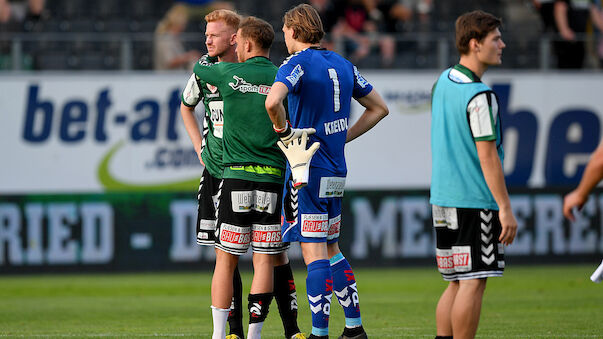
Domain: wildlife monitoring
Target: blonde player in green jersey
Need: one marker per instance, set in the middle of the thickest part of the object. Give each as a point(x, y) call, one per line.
point(220, 34)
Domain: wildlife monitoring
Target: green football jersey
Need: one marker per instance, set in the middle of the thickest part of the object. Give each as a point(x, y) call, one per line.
point(249, 141)
point(195, 91)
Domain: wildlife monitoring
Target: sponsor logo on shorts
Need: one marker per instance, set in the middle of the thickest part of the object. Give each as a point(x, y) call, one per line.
point(245, 87)
point(334, 226)
point(445, 261)
point(331, 187)
point(314, 225)
point(462, 258)
point(261, 201)
point(267, 235)
point(234, 236)
point(444, 217)
point(207, 225)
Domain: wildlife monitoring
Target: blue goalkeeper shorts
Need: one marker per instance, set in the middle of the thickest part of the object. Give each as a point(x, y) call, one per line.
point(313, 213)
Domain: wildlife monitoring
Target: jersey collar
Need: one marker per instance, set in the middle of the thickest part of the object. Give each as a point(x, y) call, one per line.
point(467, 72)
point(258, 58)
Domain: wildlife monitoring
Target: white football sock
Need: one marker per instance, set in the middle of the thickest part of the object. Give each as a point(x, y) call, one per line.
point(255, 330)
point(220, 316)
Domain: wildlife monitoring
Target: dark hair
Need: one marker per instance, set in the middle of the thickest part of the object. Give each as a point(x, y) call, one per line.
point(257, 30)
point(306, 24)
point(474, 25)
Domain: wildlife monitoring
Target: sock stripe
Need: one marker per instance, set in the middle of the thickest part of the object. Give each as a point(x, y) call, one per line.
point(336, 258)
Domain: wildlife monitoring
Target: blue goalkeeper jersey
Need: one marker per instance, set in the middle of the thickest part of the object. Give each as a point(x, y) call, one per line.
point(321, 86)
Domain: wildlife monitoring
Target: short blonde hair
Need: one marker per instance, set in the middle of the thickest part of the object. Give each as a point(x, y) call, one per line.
point(230, 18)
point(306, 24)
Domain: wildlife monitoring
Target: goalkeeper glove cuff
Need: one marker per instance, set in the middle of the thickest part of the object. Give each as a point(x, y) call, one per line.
point(287, 134)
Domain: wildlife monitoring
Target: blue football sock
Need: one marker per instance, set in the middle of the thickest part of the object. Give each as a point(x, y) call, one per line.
point(344, 286)
point(319, 286)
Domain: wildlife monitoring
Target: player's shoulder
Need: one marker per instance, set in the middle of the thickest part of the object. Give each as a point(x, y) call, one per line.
point(294, 58)
point(484, 96)
point(219, 67)
point(458, 77)
point(462, 75)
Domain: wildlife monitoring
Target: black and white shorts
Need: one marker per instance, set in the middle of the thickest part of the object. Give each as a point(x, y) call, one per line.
point(467, 245)
point(249, 213)
point(209, 188)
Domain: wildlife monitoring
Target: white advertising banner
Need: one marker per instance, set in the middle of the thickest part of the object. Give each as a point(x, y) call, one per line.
point(103, 132)
point(93, 133)
point(551, 123)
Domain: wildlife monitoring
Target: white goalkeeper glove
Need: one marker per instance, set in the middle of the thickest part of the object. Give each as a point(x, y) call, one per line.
point(288, 134)
point(299, 158)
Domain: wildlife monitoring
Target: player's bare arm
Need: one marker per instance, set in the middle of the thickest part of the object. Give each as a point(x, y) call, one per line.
point(495, 179)
point(376, 109)
point(274, 104)
point(190, 123)
point(593, 174)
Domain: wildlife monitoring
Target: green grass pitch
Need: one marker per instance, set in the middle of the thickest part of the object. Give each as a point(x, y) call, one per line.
point(529, 302)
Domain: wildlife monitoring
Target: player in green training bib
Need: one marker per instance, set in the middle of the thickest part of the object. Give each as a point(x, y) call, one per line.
point(220, 33)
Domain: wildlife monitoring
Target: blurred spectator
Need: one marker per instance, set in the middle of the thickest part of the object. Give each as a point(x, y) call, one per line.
point(327, 11)
point(421, 10)
point(363, 24)
point(5, 18)
point(329, 16)
point(18, 16)
point(390, 15)
point(169, 51)
point(348, 31)
point(545, 10)
point(5, 14)
point(405, 16)
point(22, 11)
point(571, 20)
point(597, 18)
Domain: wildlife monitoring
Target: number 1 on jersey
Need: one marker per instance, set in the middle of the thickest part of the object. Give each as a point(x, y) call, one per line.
point(333, 76)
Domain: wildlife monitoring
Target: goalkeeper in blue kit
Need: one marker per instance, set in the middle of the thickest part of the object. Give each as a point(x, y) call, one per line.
point(319, 86)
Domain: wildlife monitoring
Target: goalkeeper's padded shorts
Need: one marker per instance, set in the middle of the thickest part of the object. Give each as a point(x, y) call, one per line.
point(313, 213)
